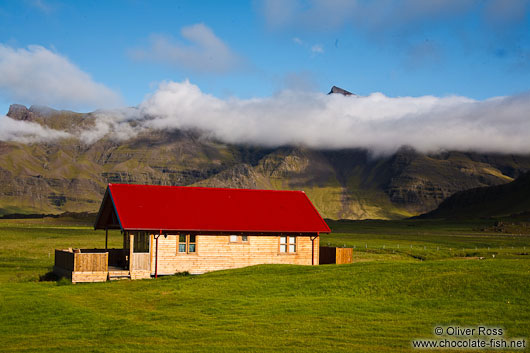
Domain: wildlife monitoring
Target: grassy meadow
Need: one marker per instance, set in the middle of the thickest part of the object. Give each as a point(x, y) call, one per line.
point(407, 278)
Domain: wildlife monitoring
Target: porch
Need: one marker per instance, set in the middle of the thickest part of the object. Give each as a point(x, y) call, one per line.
point(100, 265)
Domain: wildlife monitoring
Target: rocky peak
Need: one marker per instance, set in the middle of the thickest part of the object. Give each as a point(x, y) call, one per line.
point(342, 91)
point(49, 117)
point(19, 112)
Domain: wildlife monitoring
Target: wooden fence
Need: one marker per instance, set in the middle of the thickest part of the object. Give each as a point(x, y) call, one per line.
point(64, 259)
point(117, 257)
point(91, 262)
point(344, 256)
point(81, 262)
point(330, 255)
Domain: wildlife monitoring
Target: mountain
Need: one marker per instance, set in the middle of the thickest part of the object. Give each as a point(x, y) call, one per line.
point(493, 201)
point(71, 175)
point(342, 91)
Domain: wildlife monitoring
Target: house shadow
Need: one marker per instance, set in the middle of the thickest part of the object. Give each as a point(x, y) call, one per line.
point(49, 277)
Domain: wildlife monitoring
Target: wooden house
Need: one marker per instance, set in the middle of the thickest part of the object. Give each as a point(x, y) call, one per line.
point(170, 229)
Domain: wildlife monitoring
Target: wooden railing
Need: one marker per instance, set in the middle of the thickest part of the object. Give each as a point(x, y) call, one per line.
point(79, 261)
point(117, 257)
point(91, 262)
point(64, 259)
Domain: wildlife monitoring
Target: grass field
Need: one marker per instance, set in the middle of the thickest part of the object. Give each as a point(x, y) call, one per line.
point(389, 296)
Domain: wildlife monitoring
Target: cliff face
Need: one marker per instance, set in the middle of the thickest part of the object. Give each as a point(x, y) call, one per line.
point(69, 175)
point(493, 201)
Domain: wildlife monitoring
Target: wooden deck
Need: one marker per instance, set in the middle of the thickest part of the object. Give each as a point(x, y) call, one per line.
point(98, 265)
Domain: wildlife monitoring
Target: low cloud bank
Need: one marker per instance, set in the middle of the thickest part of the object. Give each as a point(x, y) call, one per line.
point(376, 122)
point(27, 132)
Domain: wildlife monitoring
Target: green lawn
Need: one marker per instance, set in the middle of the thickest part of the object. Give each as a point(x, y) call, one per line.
point(380, 303)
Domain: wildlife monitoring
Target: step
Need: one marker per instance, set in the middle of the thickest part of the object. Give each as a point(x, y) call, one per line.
point(119, 274)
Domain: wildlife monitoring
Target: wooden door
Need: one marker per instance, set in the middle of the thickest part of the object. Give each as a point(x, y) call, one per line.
point(140, 257)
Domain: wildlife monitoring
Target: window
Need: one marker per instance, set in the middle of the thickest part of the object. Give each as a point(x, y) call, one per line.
point(283, 244)
point(182, 243)
point(192, 243)
point(187, 244)
point(233, 238)
point(287, 244)
point(244, 238)
point(292, 244)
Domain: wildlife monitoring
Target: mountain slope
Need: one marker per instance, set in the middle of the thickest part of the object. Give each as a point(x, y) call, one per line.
point(70, 175)
point(494, 201)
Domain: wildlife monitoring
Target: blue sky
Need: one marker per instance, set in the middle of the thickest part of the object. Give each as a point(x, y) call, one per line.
point(117, 52)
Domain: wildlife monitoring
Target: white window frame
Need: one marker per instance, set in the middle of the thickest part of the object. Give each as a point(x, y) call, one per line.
point(291, 242)
point(186, 244)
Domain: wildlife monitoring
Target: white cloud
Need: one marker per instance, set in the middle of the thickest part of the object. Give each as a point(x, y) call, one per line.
point(388, 16)
point(205, 52)
point(114, 124)
point(405, 23)
point(37, 75)
point(298, 41)
point(314, 49)
point(377, 122)
point(317, 49)
point(374, 15)
point(26, 132)
point(278, 13)
point(317, 14)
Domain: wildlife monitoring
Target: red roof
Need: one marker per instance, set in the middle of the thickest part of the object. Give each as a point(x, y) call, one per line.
point(182, 208)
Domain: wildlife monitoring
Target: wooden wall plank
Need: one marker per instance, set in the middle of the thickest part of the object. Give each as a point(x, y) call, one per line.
point(141, 262)
point(216, 252)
